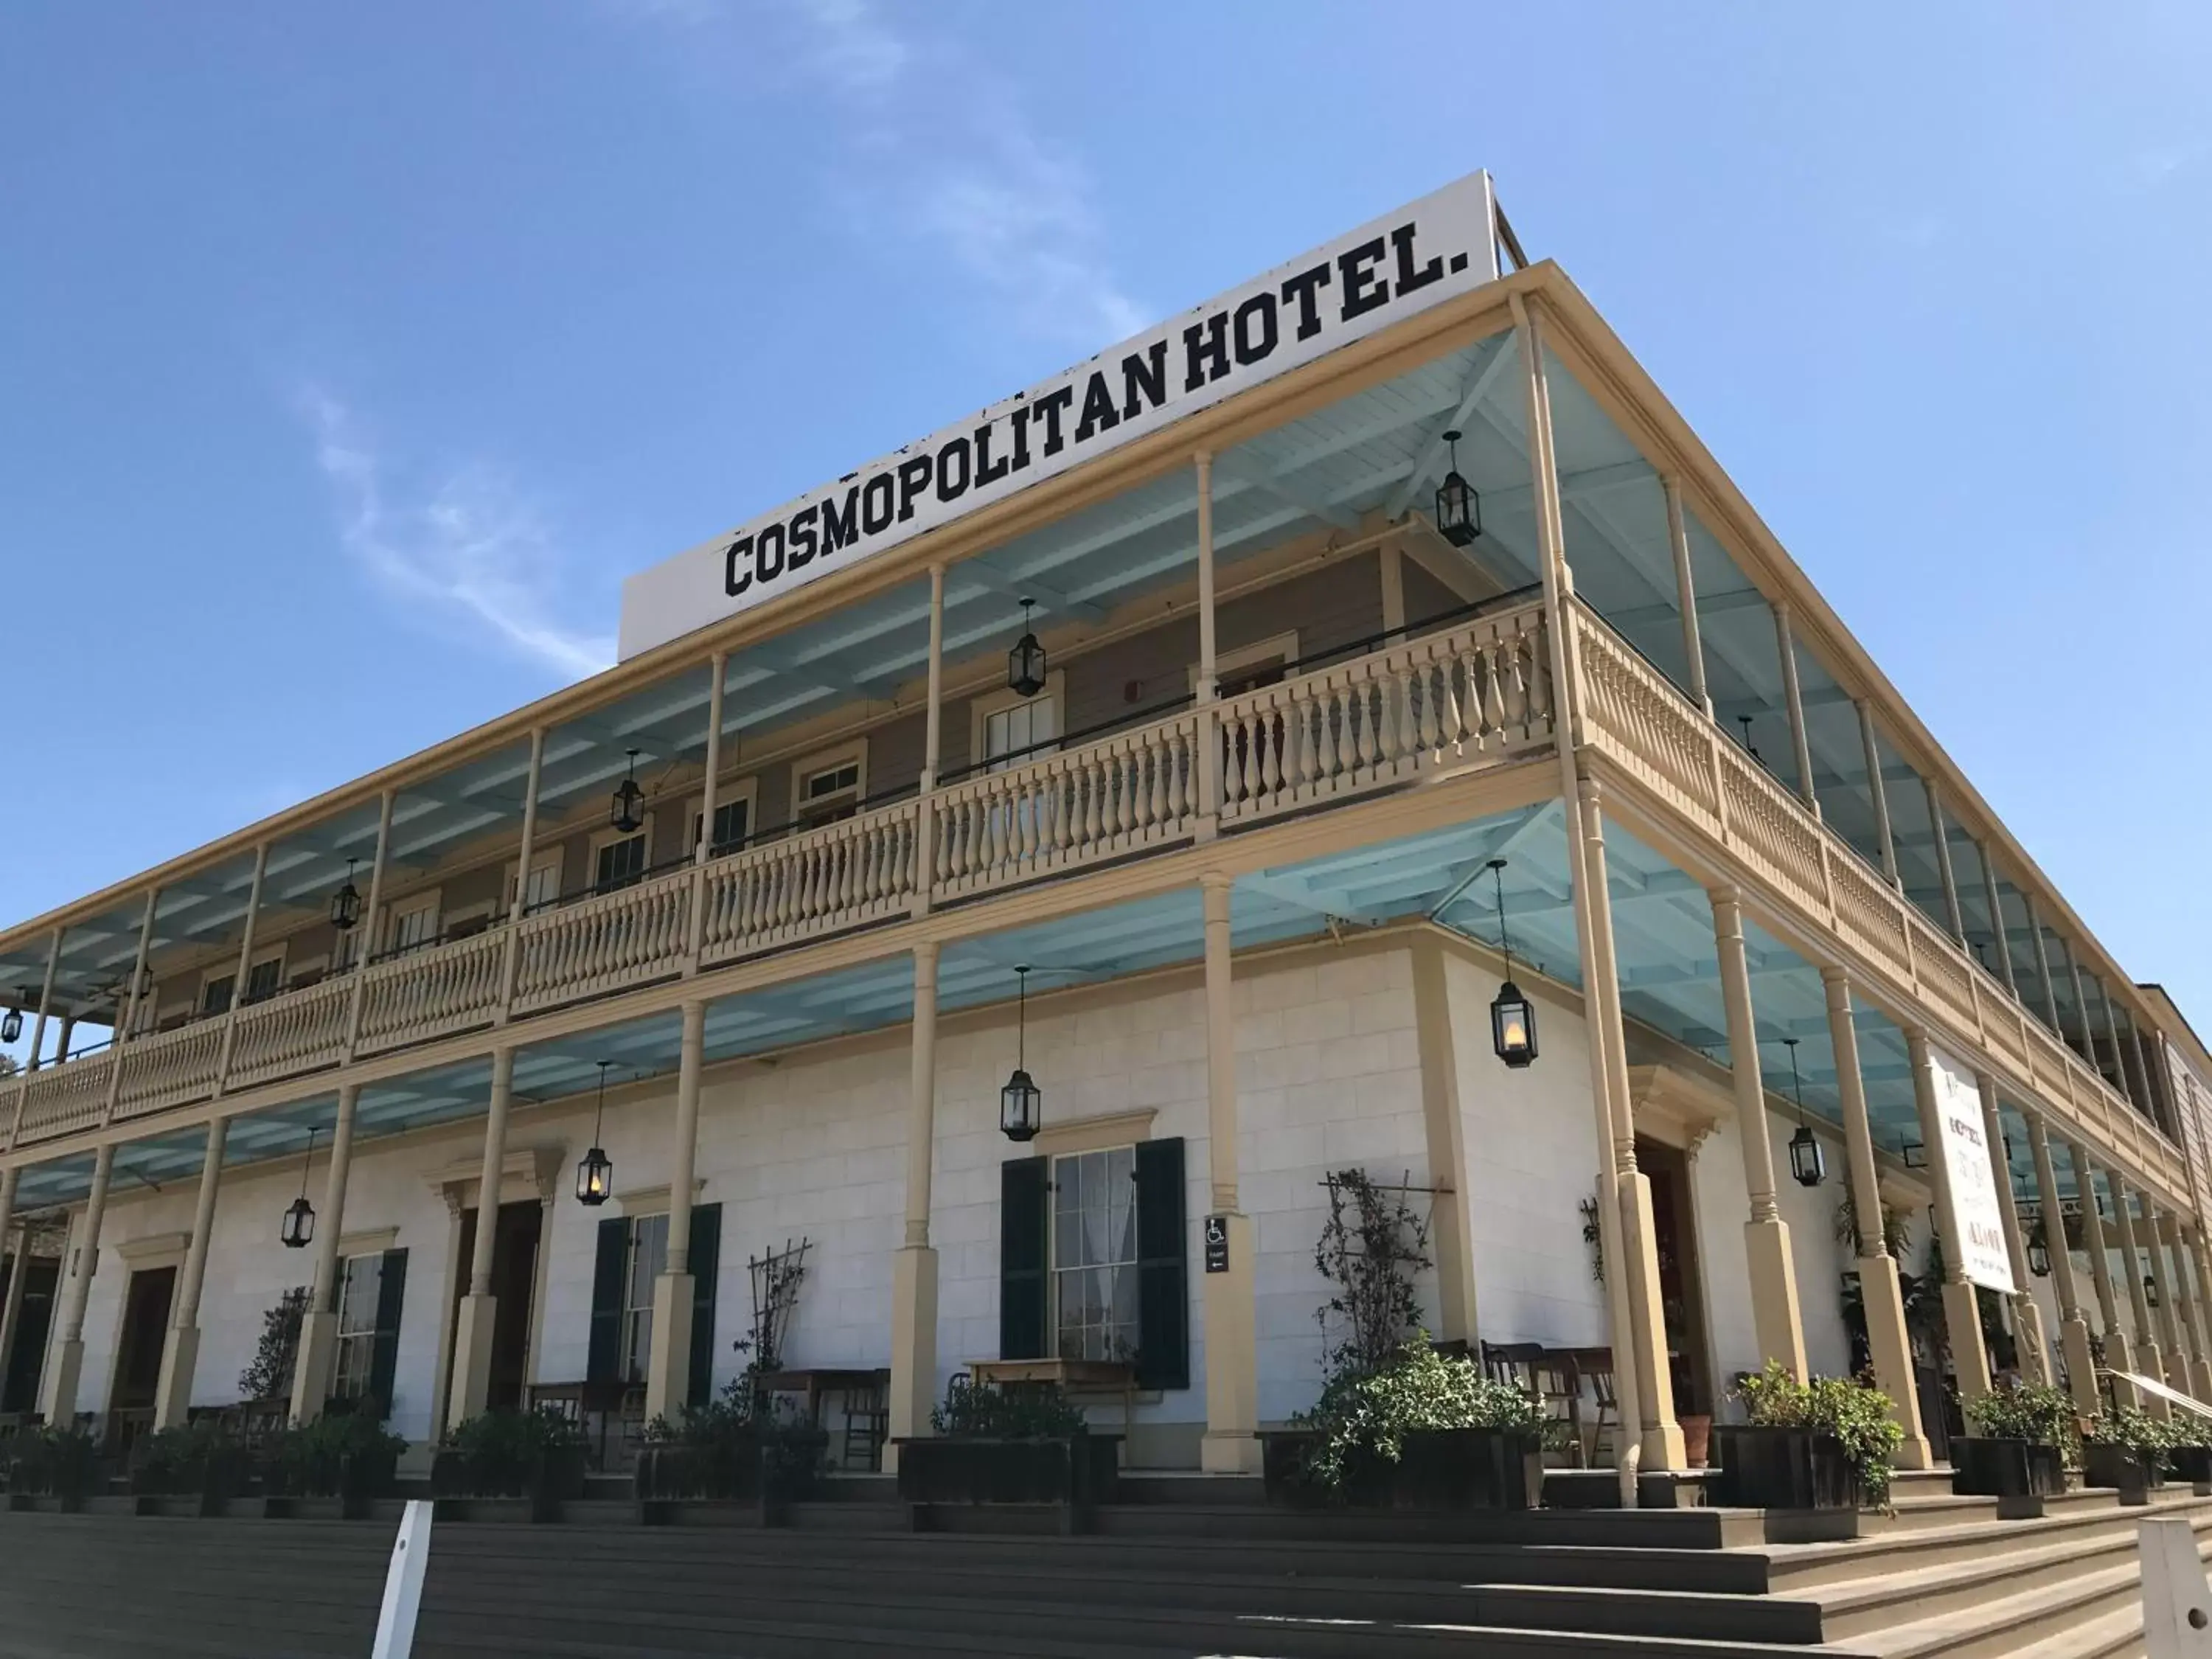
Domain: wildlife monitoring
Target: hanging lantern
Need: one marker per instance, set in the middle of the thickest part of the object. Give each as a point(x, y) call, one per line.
point(1026, 664)
point(345, 903)
point(1459, 508)
point(2150, 1290)
point(1512, 1016)
point(11, 1023)
point(1808, 1164)
point(629, 814)
point(1914, 1153)
point(298, 1228)
point(2039, 1254)
point(595, 1173)
point(1021, 1103)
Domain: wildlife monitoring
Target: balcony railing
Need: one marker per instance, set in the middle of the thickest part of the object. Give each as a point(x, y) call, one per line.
point(1476, 693)
point(1638, 718)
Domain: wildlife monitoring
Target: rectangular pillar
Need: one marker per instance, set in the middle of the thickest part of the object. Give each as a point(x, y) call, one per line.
point(11, 1309)
point(2072, 1329)
point(1878, 788)
point(1993, 895)
point(668, 1364)
point(1794, 701)
point(1774, 1309)
point(1446, 1134)
point(172, 1395)
point(2043, 966)
point(59, 1401)
point(1686, 594)
point(479, 1309)
point(314, 1370)
point(2026, 1316)
point(1887, 1342)
point(2119, 1355)
point(2200, 1352)
point(1232, 1386)
point(2150, 1357)
point(2158, 1233)
point(914, 1270)
point(1962, 1313)
point(1209, 718)
point(1955, 916)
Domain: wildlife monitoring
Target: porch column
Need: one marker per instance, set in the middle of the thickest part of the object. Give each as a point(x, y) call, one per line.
point(1880, 790)
point(932, 750)
point(1765, 1234)
point(2026, 1316)
point(479, 1309)
point(180, 1352)
point(59, 1401)
point(2088, 1043)
point(2149, 1077)
point(2043, 966)
point(914, 1269)
point(1887, 1341)
point(2200, 1311)
point(2150, 1358)
point(1962, 1313)
point(313, 1372)
point(1209, 728)
point(1993, 895)
point(11, 1309)
point(2118, 1076)
point(668, 1363)
point(1956, 916)
point(1637, 1282)
point(372, 919)
point(2119, 1355)
point(1232, 1386)
point(1794, 700)
point(511, 953)
point(31, 1065)
point(718, 673)
point(2158, 1232)
point(239, 974)
point(2072, 1329)
point(126, 1007)
point(1447, 1144)
point(1686, 594)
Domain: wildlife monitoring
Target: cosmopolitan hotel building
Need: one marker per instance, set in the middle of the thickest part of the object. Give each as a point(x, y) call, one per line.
point(1189, 733)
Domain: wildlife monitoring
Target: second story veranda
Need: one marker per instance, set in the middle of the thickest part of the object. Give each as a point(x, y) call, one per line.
point(853, 756)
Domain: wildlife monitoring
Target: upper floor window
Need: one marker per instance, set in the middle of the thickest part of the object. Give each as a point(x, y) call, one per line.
point(215, 993)
point(545, 885)
point(620, 862)
point(734, 825)
point(413, 924)
point(1010, 730)
point(263, 977)
point(827, 788)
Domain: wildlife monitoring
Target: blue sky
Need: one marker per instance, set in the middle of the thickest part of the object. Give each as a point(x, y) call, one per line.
point(350, 357)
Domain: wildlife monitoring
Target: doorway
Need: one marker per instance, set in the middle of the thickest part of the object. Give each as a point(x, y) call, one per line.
point(19, 1390)
point(138, 1356)
point(1681, 1291)
point(514, 1281)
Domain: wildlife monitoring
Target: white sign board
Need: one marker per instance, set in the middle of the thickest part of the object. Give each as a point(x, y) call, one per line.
point(1980, 1249)
point(1391, 268)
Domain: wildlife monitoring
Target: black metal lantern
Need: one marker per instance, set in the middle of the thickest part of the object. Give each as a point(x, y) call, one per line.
point(1808, 1164)
point(1026, 663)
point(1914, 1153)
point(298, 1227)
point(2150, 1290)
point(1512, 1016)
point(595, 1173)
point(1021, 1103)
point(628, 801)
point(2038, 1253)
point(345, 903)
point(11, 1023)
point(1459, 508)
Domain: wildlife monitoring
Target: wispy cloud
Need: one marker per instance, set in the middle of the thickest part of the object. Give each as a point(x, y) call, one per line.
point(471, 548)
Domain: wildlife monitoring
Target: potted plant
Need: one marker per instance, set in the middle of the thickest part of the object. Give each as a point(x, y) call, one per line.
point(340, 1463)
point(2023, 1438)
point(538, 1456)
point(2126, 1447)
point(1825, 1444)
point(1422, 1430)
point(198, 1462)
point(2190, 1457)
point(737, 1446)
point(58, 1465)
point(1027, 1445)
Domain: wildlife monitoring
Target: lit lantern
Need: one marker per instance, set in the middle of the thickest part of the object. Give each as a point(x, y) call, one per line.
point(1512, 1016)
point(2039, 1254)
point(345, 903)
point(595, 1172)
point(11, 1024)
point(1026, 663)
point(627, 815)
point(1459, 508)
point(1808, 1164)
point(298, 1228)
point(1021, 1103)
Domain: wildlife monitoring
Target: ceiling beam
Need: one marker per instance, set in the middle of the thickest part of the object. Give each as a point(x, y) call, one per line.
point(1432, 452)
point(1232, 464)
point(990, 579)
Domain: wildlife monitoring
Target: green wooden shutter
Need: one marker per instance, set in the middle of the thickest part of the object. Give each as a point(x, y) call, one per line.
point(603, 1363)
point(384, 1358)
point(706, 1269)
point(1024, 1193)
point(1163, 1268)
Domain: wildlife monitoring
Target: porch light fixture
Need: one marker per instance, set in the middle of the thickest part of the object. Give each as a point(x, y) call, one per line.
point(1026, 663)
point(298, 1228)
point(1914, 1154)
point(1021, 1103)
point(627, 800)
point(1808, 1164)
point(1512, 1016)
point(2038, 1253)
point(1459, 508)
point(1749, 748)
point(595, 1173)
point(345, 903)
point(2150, 1290)
point(11, 1023)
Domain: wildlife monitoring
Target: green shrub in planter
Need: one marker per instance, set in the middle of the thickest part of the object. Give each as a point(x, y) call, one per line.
point(1853, 1415)
point(2126, 1448)
point(199, 1457)
point(52, 1462)
point(349, 1455)
point(1008, 1446)
point(511, 1454)
point(738, 1445)
point(2023, 1439)
point(1476, 1442)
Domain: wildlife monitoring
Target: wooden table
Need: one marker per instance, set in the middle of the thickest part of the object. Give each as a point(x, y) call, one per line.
point(1070, 1377)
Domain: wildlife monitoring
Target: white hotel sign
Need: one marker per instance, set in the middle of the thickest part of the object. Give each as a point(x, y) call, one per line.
point(1391, 268)
point(1980, 1249)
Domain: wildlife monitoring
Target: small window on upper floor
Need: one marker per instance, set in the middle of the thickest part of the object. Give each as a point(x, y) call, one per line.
point(263, 978)
point(215, 994)
point(734, 825)
point(827, 788)
point(618, 864)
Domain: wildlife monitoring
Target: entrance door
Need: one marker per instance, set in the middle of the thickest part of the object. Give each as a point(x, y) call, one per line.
point(145, 1327)
point(19, 1392)
point(1681, 1297)
point(513, 1281)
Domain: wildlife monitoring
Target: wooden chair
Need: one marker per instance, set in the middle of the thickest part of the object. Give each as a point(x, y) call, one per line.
point(1596, 1365)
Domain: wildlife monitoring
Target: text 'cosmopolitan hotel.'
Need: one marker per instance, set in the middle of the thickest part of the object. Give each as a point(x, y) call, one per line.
point(1187, 734)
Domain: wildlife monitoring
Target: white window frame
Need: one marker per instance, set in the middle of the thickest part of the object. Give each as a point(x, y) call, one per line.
point(745, 789)
point(636, 1325)
point(1131, 1266)
point(413, 905)
point(261, 959)
point(359, 1336)
point(853, 754)
point(541, 860)
point(1226, 663)
point(980, 710)
point(610, 837)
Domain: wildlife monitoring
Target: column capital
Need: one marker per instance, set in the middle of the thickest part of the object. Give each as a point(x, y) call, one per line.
point(1836, 978)
point(1218, 881)
point(1725, 892)
point(1593, 792)
point(926, 952)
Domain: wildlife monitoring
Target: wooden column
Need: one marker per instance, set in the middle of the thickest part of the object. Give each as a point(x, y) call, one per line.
point(2150, 1357)
point(1799, 741)
point(1961, 1309)
point(1877, 788)
point(181, 1347)
point(2072, 1329)
point(2120, 1353)
point(511, 956)
point(126, 1007)
point(2119, 1077)
point(2043, 965)
point(668, 1364)
point(1993, 895)
point(314, 1370)
point(932, 750)
point(2158, 1235)
point(11, 1309)
point(31, 1063)
point(1887, 1342)
point(1686, 594)
point(68, 1367)
point(1232, 1387)
point(913, 1268)
point(718, 671)
point(371, 919)
point(2200, 1311)
point(479, 1309)
point(2026, 1316)
point(1209, 719)
point(1955, 916)
point(1445, 1132)
point(244, 968)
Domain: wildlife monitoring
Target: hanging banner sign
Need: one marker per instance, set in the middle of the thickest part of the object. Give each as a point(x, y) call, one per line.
point(1403, 263)
point(1980, 1249)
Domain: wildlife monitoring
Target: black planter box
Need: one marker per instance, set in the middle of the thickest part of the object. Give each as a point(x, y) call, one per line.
point(1079, 1470)
point(2192, 1464)
point(552, 1478)
point(665, 1473)
point(1467, 1469)
point(1761, 1468)
point(1988, 1467)
point(2105, 1464)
